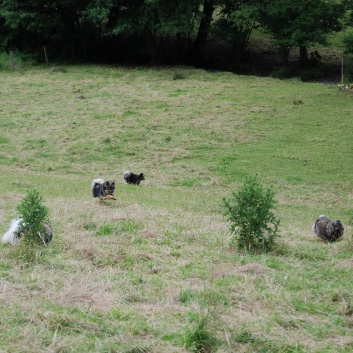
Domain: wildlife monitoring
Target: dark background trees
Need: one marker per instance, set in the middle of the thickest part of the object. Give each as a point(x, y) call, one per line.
point(166, 31)
point(300, 24)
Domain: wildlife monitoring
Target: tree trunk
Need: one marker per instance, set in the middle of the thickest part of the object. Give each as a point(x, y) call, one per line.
point(45, 55)
point(153, 46)
point(12, 61)
point(303, 57)
point(195, 52)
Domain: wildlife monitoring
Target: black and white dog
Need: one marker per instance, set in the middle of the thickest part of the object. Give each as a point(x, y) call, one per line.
point(103, 189)
point(17, 228)
point(132, 178)
point(328, 230)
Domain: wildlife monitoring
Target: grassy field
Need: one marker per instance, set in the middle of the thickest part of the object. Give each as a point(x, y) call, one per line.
point(156, 269)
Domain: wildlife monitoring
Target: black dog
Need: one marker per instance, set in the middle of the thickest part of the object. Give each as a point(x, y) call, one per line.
point(328, 230)
point(132, 178)
point(103, 189)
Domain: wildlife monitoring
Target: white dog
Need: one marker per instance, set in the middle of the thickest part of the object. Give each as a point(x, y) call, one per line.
point(12, 234)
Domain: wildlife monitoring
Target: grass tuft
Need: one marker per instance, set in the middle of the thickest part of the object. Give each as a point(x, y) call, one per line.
point(200, 336)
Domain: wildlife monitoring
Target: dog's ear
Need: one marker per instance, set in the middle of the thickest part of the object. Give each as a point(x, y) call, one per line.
point(113, 183)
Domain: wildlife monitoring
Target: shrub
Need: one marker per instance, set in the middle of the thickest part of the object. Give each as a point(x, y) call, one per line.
point(34, 214)
point(21, 60)
point(249, 211)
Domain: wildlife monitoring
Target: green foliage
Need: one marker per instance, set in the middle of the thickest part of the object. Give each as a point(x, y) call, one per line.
point(20, 60)
point(162, 28)
point(235, 24)
point(299, 24)
point(249, 211)
point(33, 214)
point(348, 41)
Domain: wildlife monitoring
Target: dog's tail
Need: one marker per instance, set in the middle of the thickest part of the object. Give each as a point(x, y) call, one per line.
point(313, 228)
point(100, 181)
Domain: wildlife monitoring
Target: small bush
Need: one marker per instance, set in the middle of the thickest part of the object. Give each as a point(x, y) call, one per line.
point(249, 212)
point(21, 60)
point(32, 228)
point(34, 214)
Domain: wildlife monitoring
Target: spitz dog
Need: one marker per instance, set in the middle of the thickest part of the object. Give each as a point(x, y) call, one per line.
point(132, 178)
point(328, 230)
point(17, 228)
point(103, 189)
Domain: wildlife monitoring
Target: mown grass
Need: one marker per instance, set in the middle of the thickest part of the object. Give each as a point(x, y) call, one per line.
point(156, 270)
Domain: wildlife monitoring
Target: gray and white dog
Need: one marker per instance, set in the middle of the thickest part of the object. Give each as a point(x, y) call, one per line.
point(327, 230)
point(17, 227)
point(103, 189)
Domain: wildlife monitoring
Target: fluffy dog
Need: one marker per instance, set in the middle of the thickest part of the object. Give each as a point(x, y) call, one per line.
point(132, 178)
point(328, 230)
point(17, 228)
point(103, 189)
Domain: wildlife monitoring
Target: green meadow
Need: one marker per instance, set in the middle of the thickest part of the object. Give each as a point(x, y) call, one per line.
point(157, 270)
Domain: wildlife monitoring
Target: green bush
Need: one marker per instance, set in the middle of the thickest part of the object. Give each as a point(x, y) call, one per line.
point(21, 60)
point(249, 211)
point(34, 215)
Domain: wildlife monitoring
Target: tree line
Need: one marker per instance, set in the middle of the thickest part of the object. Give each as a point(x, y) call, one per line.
point(167, 31)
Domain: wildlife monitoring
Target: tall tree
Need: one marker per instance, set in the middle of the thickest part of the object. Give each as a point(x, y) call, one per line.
point(164, 24)
point(300, 23)
point(31, 23)
point(234, 24)
point(195, 54)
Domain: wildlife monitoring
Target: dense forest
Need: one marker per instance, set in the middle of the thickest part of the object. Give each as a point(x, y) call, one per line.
point(170, 32)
